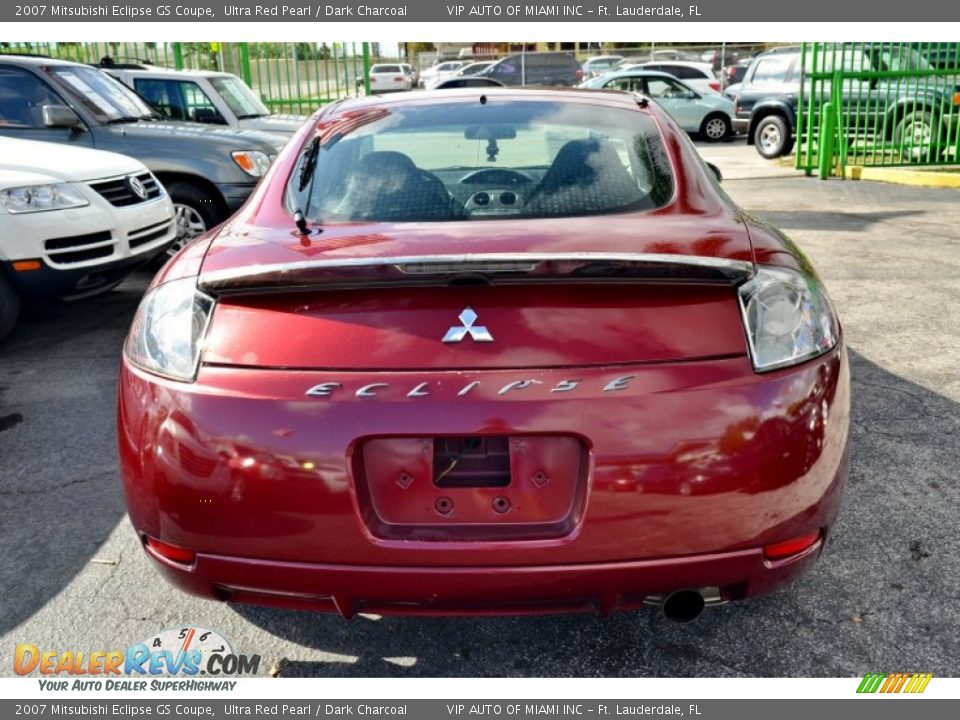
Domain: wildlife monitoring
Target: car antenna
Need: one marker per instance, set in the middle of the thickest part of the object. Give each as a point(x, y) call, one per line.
point(301, 222)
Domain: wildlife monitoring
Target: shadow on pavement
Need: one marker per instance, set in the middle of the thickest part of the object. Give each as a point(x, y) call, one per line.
point(60, 494)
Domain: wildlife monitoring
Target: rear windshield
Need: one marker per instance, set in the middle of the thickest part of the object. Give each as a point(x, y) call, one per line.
point(473, 160)
point(385, 69)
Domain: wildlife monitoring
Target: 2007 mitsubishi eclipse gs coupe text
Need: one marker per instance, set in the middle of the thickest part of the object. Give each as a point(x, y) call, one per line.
point(486, 351)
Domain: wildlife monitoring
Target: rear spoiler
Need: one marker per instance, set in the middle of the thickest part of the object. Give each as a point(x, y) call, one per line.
point(477, 268)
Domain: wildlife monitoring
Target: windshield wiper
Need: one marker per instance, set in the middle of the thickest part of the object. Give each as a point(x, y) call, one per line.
point(309, 164)
point(124, 119)
point(252, 115)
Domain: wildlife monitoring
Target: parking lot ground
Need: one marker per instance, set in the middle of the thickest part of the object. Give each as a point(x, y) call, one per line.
point(885, 596)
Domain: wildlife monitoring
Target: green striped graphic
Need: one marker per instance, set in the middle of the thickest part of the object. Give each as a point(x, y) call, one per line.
point(871, 682)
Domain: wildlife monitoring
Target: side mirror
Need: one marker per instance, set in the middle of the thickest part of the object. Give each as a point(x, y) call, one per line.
point(716, 171)
point(208, 115)
point(60, 116)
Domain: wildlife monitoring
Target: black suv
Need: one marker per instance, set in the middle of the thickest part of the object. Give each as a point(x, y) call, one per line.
point(207, 171)
point(896, 108)
point(536, 68)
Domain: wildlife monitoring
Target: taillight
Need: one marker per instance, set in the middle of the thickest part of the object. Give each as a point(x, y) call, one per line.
point(794, 546)
point(715, 86)
point(580, 74)
point(398, 78)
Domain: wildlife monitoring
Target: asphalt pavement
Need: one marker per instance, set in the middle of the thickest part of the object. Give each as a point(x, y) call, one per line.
point(884, 597)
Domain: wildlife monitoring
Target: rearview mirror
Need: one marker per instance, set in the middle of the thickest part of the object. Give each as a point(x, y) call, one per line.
point(716, 171)
point(490, 132)
point(59, 116)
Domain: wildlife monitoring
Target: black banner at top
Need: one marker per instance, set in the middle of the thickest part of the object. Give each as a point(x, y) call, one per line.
point(373, 11)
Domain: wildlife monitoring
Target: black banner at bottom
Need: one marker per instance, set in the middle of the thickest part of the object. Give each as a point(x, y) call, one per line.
point(872, 708)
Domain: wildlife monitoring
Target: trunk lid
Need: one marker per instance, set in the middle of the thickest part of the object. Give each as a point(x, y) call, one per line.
point(390, 300)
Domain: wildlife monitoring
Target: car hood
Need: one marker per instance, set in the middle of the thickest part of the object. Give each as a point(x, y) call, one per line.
point(198, 132)
point(63, 163)
point(247, 250)
point(284, 125)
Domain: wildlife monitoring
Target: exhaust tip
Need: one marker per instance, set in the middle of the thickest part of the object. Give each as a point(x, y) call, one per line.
point(683, 606)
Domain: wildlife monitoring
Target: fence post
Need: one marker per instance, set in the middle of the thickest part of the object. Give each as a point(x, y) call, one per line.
point(245, 63)
point(366, 68)
point(828, 121)
point(177, 56)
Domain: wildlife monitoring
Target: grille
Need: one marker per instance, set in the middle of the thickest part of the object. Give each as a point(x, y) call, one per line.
point(79, 248)
point(148, 234)
point(118, 192)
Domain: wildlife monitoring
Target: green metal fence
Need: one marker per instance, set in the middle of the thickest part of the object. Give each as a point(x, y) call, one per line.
point(878, 104)
point(289, 77)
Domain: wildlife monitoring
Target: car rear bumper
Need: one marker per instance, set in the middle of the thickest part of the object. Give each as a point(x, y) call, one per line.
point(600, 587)
point(688, 473)
point(740, 125)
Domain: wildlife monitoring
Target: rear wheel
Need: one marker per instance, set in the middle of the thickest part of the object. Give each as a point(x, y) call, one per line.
point(916, 133)
point(772, 137)
point(9, 307)
point(197, 210)
point(716, 127)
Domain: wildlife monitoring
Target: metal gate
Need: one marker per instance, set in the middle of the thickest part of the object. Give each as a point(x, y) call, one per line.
point(289, 77)
point(878, 104)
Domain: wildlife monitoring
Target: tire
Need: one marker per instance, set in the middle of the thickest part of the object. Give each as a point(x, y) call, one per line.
point(716, 127)
point(772, 137)
point(197, 210)
point(915, 132)
point(9, 307)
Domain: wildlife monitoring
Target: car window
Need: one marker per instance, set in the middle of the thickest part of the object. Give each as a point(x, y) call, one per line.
point(772, 69)
point(104, 97)
point(630, 84)
point(22, 97)
point(408, 164)
point(385, 69)
point(688, 73)
point(667, 89)
point(178, 99)
point(239, 98)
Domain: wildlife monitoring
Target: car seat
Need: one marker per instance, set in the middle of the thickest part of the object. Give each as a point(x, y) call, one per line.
point(388, 186)
point(585, 177)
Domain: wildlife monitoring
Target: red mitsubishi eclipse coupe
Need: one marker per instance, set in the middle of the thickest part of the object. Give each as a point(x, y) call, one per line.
point(486, 351)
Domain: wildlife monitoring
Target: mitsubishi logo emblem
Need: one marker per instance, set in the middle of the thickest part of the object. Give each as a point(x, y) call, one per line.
point(467, 318)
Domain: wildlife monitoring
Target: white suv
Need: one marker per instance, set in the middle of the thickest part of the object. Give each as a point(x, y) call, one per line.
point(74, 222)
point(206, 96)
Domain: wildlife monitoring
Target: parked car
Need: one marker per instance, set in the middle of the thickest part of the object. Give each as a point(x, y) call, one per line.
point(441, 71)
point(536, 68)
point(718, 57)
point(389, 77)
point(470, 81)
point(444, 402)
point(412, 73)
point(944, 55)
point(709, 115)
point(208, 171)
point(474, 68)
point(908, 110)
point(204, 96)
point(73, 222)
point(600, 65)
point(733, 73)
point(697, 75)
